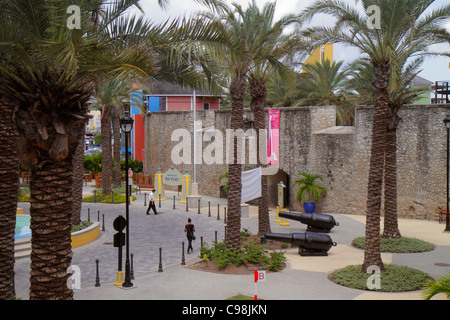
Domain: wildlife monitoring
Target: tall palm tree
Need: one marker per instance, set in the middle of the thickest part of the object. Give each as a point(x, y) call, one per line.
point(400, 93)
point(49, 83)
point(268, 34)
point(405, 27)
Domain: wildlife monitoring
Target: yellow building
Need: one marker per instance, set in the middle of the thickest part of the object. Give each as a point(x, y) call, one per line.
point(323, 52)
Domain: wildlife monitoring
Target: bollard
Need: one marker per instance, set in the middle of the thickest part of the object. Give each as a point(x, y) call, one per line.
point(215, 235)
point(145, 199)
point(89, 216)
point(103, 225)
point(224, 214)
point(182, 254)
point(89, 212)
point(112, 197)
point(160, 260)
point(201, 243)
point(187, 209)
point(98, 216)
point(97, 276)
point(209, 208)
point(131, 266)
point(160, 200)
point(218, 212)
point(173, 202)
point(198, 206)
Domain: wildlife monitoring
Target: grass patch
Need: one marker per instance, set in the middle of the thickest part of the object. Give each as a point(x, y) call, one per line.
point(396, 278)
point(400, 245)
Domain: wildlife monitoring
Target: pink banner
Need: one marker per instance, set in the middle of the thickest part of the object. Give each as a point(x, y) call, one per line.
point(273, 136)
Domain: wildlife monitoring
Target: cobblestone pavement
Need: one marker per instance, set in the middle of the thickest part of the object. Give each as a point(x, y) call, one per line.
point(148, 233)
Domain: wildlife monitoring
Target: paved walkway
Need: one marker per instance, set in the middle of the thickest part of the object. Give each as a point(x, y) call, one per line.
point(304, 277)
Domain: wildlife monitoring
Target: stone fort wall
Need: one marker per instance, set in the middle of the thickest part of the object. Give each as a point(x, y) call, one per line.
point(310, 141)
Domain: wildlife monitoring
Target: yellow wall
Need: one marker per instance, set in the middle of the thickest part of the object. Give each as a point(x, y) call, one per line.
point(85, 236)
point(323, 52)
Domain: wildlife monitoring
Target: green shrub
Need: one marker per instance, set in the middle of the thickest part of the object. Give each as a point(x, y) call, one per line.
point(251, 253)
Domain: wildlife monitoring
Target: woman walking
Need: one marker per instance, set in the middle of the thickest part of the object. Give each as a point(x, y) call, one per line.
point(189, 229)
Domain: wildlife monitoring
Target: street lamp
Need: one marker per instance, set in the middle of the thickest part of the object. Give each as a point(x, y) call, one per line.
point(126, 124)
point(447, 125)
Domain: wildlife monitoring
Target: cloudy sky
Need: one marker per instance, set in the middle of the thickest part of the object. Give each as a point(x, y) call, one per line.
point(434, 68)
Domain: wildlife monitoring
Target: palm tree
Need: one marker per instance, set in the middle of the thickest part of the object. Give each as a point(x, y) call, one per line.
point(400, 93)
point(405, 28)
point(441, 285)
point(268, 34)
point(323, 83)
point(49, 83)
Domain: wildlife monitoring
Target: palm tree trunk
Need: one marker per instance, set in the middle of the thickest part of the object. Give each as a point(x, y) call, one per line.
point(391, 229)
point(117, 176)
point(258, 92)
point(106, 150)
point(233, 229)
point(9, 186)
point(372, 255)
point(77, 186)
point(50, 209)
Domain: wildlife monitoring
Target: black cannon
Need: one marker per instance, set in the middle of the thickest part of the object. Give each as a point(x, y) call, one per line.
point(317, 222)
point(309, 243)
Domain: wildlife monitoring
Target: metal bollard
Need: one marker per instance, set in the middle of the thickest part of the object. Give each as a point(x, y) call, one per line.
point(198, 206)
point(98, 216)
point(209, 208)
point(97, 276)
point(145, 199)
point(160, 200)
point(160, 269)
point(218, 212)
point(225, 215)
point(187, 209)
point(131, 267)
point(201, 243)
point(103, 226)
point(183, 262)
point(173, 202)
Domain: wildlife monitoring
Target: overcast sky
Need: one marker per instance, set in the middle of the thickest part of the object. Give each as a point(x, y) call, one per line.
point(434, 68)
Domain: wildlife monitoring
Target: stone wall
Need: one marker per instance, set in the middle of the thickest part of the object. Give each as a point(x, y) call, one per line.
point(310, 141)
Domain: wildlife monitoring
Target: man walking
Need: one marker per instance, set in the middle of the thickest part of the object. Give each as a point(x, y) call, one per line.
point(151, 204)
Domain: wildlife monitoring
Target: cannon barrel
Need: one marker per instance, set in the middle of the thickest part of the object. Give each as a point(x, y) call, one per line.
point(316, 221)
point(309, 243)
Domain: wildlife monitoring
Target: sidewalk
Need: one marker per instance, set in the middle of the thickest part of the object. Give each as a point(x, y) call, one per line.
point(304, 278)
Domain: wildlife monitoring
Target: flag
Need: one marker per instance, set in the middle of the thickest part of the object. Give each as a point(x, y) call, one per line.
point(251, 185)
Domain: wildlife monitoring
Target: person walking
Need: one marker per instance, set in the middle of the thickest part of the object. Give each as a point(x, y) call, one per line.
point(189, 229)
point(151, 204)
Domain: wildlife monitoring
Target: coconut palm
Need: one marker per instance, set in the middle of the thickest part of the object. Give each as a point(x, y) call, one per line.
point(406, 28)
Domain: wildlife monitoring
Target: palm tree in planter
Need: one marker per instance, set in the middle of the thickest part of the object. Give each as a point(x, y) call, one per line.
point(405, 28)
point(309, 192)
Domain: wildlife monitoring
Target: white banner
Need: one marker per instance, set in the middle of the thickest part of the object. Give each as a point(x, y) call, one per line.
point(251, 185)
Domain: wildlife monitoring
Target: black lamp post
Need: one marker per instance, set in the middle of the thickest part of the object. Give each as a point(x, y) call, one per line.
point(126, 124)
point(447, 125)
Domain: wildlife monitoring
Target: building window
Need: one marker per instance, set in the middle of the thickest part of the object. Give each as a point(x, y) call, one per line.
point(205, 105)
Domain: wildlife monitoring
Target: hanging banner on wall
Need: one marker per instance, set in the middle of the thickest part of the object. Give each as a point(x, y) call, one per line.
point(273, 136)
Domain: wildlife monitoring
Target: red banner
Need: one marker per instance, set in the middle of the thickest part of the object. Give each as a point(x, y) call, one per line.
point(273, 136)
